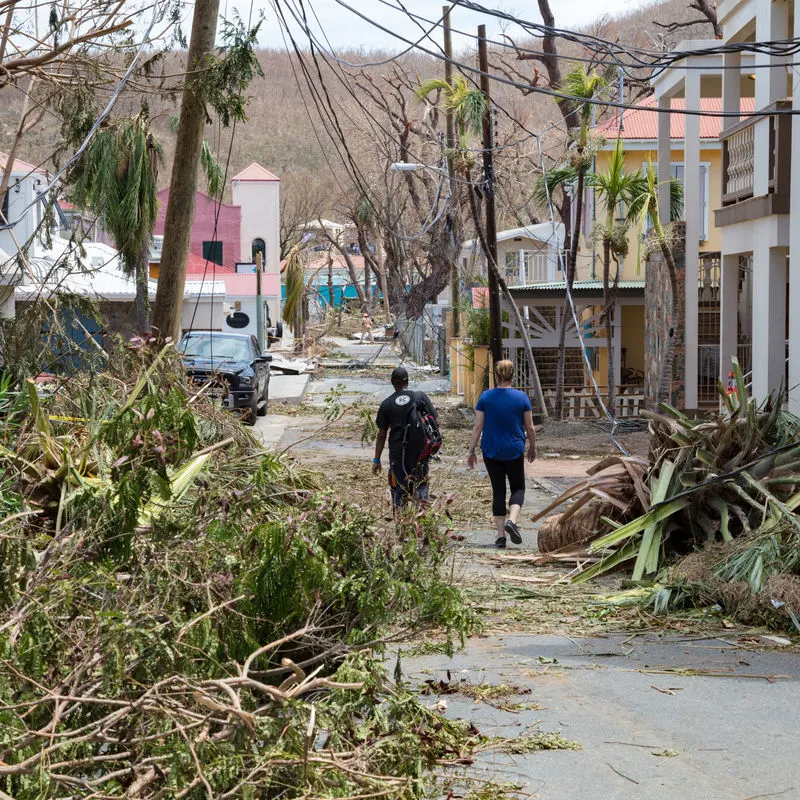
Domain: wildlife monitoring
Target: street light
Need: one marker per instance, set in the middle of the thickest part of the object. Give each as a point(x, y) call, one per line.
point(406, 166)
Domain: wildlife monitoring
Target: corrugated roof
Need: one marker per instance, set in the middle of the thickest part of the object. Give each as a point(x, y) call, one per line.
point(538, 232)
point(19, 165)
point(255, 172)
point(641, 124)
point(577, 286)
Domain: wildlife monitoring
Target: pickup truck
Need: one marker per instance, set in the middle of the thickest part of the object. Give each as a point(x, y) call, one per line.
point(233, 365)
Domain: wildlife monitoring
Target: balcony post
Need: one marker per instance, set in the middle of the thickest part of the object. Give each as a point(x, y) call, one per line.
point(523, 279)
point(772, 24)
point(728, 313)
point(769, 319)
point(794, 251)
point(664, 155)
point(691, 182)
point(731, 87)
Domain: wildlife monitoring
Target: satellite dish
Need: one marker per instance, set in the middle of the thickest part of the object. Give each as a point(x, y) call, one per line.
point(237, 320)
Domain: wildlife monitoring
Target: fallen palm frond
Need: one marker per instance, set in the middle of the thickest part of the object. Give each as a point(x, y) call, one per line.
point(726, 478)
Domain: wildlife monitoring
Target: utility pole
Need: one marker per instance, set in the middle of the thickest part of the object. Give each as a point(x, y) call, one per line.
point(450, 142)
point(495, 336)
point(259, 301)
point(183, 183)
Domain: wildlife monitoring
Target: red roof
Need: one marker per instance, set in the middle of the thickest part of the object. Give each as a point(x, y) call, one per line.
point(197, 265)
point(255, 172)
point(19, 165)
point(640, 124)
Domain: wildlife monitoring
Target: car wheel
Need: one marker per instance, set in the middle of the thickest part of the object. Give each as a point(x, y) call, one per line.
point(262, 409)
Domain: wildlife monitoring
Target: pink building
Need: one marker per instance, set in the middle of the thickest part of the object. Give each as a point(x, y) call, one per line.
point(224, 248)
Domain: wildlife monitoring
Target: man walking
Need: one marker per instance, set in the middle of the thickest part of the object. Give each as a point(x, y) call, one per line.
point(408, 475)
point(366, 327)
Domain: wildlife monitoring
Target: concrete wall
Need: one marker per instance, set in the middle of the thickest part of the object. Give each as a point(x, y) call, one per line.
point(260, 205)
point(228, 225)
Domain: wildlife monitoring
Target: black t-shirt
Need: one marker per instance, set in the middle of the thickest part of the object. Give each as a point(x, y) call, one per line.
point(393, 415)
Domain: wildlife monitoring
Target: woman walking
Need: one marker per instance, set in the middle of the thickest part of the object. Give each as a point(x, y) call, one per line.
point(503, 417)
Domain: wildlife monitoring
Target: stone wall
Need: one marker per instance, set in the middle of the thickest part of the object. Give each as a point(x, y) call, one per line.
point(657, 310)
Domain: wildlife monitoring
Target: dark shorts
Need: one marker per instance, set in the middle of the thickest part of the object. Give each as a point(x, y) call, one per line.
point(405, 486)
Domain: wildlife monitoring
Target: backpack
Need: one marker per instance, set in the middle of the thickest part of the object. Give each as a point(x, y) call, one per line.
point(421, 437)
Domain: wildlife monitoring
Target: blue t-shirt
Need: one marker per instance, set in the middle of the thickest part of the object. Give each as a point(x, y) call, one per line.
point(503, 428)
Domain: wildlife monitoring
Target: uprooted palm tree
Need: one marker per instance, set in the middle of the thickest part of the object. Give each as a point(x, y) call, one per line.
point(584, 88)
point(469, 107)
point(118, 178)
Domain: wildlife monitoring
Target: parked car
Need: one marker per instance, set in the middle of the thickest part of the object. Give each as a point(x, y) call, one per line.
point(234, 366)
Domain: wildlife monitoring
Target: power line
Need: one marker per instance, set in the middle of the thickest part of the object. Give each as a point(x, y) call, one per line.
point(560, 95)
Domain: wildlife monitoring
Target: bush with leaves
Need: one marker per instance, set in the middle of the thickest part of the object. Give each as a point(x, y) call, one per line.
point(184, 614)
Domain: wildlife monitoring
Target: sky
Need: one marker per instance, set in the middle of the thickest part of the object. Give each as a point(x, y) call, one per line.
point(344, 29)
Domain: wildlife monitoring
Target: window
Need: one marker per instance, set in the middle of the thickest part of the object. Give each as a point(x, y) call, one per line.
point(212, 251)
point(259, 246)
point(677, 171)
point(512, 267)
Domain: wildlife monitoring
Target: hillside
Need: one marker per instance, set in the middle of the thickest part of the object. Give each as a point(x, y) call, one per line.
point(284, 131)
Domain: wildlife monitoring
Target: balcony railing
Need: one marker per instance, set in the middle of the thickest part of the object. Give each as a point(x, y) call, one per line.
point(738, 157)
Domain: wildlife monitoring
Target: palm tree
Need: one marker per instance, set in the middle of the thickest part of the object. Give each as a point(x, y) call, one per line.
point(645, 206)
point(616, 190)
point(118, 178)
point(584, 88)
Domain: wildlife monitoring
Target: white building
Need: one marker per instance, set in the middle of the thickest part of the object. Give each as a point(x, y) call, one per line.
point(759, 214)
point(526, 255)
point(257, 192)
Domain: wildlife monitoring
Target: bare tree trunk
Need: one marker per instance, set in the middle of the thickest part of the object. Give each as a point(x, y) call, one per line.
point(183, 183)
point(330, 282)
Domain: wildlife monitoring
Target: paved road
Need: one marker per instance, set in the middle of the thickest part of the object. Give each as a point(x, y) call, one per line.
point(730, 736)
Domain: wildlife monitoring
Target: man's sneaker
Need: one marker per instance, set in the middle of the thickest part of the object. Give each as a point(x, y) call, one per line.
point(500, 542)
point(513, 531)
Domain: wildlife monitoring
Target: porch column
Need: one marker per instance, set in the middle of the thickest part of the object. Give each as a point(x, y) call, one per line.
point(664, 154)
point(772, 24)
point(794, 249)
point(692, 191)
point(731, 87)
point(769, 319)
point(728, 313)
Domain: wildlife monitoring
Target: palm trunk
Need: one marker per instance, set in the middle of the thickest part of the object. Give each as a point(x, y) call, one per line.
point(142, 296)
point(183, 183)
point(665, 378)
point(608, 310)
point(566, 317)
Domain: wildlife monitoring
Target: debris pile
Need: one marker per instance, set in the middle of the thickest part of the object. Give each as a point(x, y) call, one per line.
point(184, 614)
point(712, 519)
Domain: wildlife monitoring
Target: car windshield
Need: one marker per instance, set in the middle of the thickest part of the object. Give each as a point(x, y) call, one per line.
point(231, 348)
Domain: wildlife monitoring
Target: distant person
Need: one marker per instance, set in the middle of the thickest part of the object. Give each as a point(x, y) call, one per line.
point(503, 419)
point(408, 461)
point(366, 327)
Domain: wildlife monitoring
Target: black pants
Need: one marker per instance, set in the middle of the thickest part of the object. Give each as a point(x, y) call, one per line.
point(498, 472)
